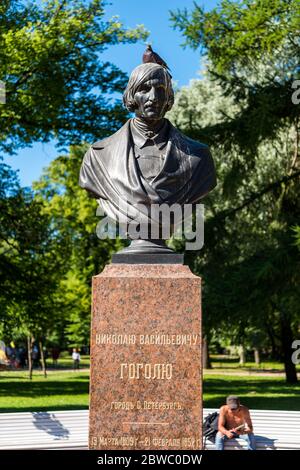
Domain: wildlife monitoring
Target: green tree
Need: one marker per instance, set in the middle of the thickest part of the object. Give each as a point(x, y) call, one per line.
point(56, 82)
point(58, 87)
point(29, 265)
point(73, 216)
point(249, 262)
point(253, 49)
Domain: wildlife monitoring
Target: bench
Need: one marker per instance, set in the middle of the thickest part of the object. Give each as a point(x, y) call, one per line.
point(44, 430)
point(69, 430)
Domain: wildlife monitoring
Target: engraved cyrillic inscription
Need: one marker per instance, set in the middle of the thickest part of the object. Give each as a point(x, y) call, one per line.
point(146, 371)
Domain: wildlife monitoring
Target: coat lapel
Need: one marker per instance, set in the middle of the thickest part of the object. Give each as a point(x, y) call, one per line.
point(179, 166)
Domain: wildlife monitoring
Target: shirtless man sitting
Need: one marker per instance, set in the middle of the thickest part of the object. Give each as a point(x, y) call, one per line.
point(234, 422)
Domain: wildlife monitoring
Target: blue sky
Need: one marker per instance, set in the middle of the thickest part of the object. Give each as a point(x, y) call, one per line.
point(184, 64)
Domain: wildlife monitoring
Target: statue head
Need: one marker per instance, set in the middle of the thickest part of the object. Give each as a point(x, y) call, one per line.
point(149, 93)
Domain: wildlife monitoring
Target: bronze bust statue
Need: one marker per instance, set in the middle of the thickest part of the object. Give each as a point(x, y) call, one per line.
point(148, 161)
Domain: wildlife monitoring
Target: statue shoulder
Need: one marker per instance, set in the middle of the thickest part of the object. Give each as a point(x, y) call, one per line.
point(197, 147)
point(107, 141)
point(100, 144)
point(194, 146)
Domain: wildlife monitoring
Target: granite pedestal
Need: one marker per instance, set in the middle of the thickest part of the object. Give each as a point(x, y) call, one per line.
point(146, 372)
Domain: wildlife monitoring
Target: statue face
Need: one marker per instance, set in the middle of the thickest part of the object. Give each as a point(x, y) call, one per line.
point(151, 99)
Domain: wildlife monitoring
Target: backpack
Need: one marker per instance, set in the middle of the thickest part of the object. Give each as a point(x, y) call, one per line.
point(210, 426)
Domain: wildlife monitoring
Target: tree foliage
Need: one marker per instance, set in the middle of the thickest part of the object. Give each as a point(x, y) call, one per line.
point(73, 216)
point(57, 86)
point(253, 49)
point(243, 109)
point(56, 83)
point(29, 266)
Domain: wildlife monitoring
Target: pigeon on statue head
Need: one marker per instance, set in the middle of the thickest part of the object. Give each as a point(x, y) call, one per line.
point(151, 56)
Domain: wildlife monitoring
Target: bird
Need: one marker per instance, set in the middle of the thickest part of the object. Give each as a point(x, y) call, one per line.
point(151, 56)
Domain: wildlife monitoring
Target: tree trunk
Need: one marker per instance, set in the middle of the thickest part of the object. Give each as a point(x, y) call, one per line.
point(43, 359)
point(286, 344)
point(275, 353)
point(242, 354)
point(29, 349)
point(256, 356)
point(205, 351)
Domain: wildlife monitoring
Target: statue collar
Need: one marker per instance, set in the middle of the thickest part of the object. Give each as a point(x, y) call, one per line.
point(141, 138)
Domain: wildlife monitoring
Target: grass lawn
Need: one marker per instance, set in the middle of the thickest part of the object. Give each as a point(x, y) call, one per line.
point(59, 391)
point(65, 390)
point(256, 392)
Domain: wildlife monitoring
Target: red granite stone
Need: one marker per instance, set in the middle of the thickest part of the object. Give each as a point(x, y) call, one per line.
point(146, 373)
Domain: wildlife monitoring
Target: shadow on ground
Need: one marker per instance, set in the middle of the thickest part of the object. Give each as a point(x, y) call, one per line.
point(45, 421)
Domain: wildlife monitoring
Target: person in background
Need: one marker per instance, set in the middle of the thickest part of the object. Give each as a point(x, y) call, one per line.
point(76, 359)
point(55, 355)
point(234, 422)
point(23, 357)
point(35, 355)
